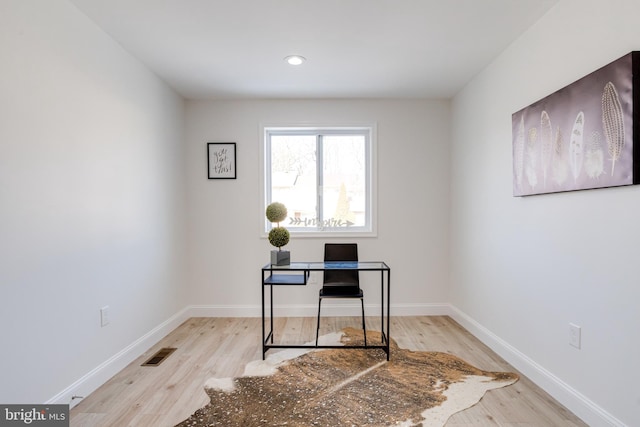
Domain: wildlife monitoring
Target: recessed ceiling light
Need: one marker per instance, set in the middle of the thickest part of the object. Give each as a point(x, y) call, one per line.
point(295, 59)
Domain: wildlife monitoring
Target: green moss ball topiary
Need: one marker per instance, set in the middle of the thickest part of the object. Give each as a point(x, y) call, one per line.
point(279, 236)
point(276, 212)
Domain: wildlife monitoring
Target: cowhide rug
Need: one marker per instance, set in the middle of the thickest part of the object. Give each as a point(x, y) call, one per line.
point(332, 388)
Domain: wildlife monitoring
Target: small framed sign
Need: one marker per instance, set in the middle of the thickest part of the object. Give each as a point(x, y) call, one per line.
point(221, 160)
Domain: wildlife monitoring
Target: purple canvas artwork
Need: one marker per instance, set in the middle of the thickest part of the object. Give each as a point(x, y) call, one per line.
point(580, 137)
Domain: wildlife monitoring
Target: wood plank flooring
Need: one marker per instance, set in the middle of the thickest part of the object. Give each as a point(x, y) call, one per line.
point(165, 395)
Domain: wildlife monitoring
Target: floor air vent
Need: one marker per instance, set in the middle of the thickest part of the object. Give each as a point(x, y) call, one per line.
point(159, 357)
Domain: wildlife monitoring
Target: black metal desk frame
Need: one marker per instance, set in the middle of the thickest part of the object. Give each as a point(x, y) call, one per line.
point(297, 274)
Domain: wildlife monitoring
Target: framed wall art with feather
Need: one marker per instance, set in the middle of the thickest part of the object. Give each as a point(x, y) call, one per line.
point(582, 136)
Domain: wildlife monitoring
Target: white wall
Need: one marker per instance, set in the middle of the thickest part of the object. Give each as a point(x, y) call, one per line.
point(523, 268)
point(93, 208)
point(225, 216)
point(91, 199)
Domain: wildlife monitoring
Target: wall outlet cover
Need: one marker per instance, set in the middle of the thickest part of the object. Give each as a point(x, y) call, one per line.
point(575, 335)
point(104, 316)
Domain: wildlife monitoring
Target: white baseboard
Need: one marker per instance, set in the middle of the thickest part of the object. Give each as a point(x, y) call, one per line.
point(573, 400)
point(584, 408)
point(103, 372)
point(223, 310)
point(434, 309)
point(333, 308)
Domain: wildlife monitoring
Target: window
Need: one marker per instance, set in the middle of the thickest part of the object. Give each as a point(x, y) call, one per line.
point(323, 176)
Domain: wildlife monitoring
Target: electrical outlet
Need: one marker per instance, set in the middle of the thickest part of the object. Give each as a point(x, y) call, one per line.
point(574, 335)
point(104, 316)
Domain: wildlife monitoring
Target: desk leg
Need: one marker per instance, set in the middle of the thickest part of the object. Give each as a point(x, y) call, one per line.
point(263, 332)
point(382, 304)
point(388, 314)
point(271, 309)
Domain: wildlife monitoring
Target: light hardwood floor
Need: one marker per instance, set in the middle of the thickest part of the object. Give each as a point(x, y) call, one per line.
point(220, 347)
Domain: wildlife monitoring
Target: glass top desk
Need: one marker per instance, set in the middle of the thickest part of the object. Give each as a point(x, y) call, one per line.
point(297, 274)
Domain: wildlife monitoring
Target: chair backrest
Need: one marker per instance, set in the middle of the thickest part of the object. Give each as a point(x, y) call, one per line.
point(341, 252)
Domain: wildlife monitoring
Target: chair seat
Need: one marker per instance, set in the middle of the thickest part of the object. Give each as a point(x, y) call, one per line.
point(341, 291)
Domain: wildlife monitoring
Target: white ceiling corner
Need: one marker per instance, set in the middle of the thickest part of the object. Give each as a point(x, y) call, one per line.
point(208, 49)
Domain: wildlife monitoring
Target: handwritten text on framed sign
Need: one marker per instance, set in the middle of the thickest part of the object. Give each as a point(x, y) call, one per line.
point(221, 160)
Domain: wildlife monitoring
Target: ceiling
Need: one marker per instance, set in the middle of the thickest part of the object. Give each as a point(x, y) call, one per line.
point(208, 49)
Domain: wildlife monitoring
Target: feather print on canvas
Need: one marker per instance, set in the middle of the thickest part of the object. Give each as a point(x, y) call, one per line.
point(576, 149)
point(518, 154)
point(546, 144)
point(582, 136)
point(559, 162)
point(612, 123)
point(593, 156)
point(531, 158)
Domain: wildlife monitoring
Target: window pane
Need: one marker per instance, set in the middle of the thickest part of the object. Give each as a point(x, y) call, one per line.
point(323, 176)
point(344, 181)
point(294, 177)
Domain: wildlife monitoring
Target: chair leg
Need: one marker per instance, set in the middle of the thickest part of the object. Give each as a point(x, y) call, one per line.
point(364, 329)
point(318, 324)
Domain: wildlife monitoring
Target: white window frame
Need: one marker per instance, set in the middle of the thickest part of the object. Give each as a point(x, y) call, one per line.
point(370, 228)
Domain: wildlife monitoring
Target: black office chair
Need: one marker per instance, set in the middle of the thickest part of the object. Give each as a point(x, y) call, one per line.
point(341, 283)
